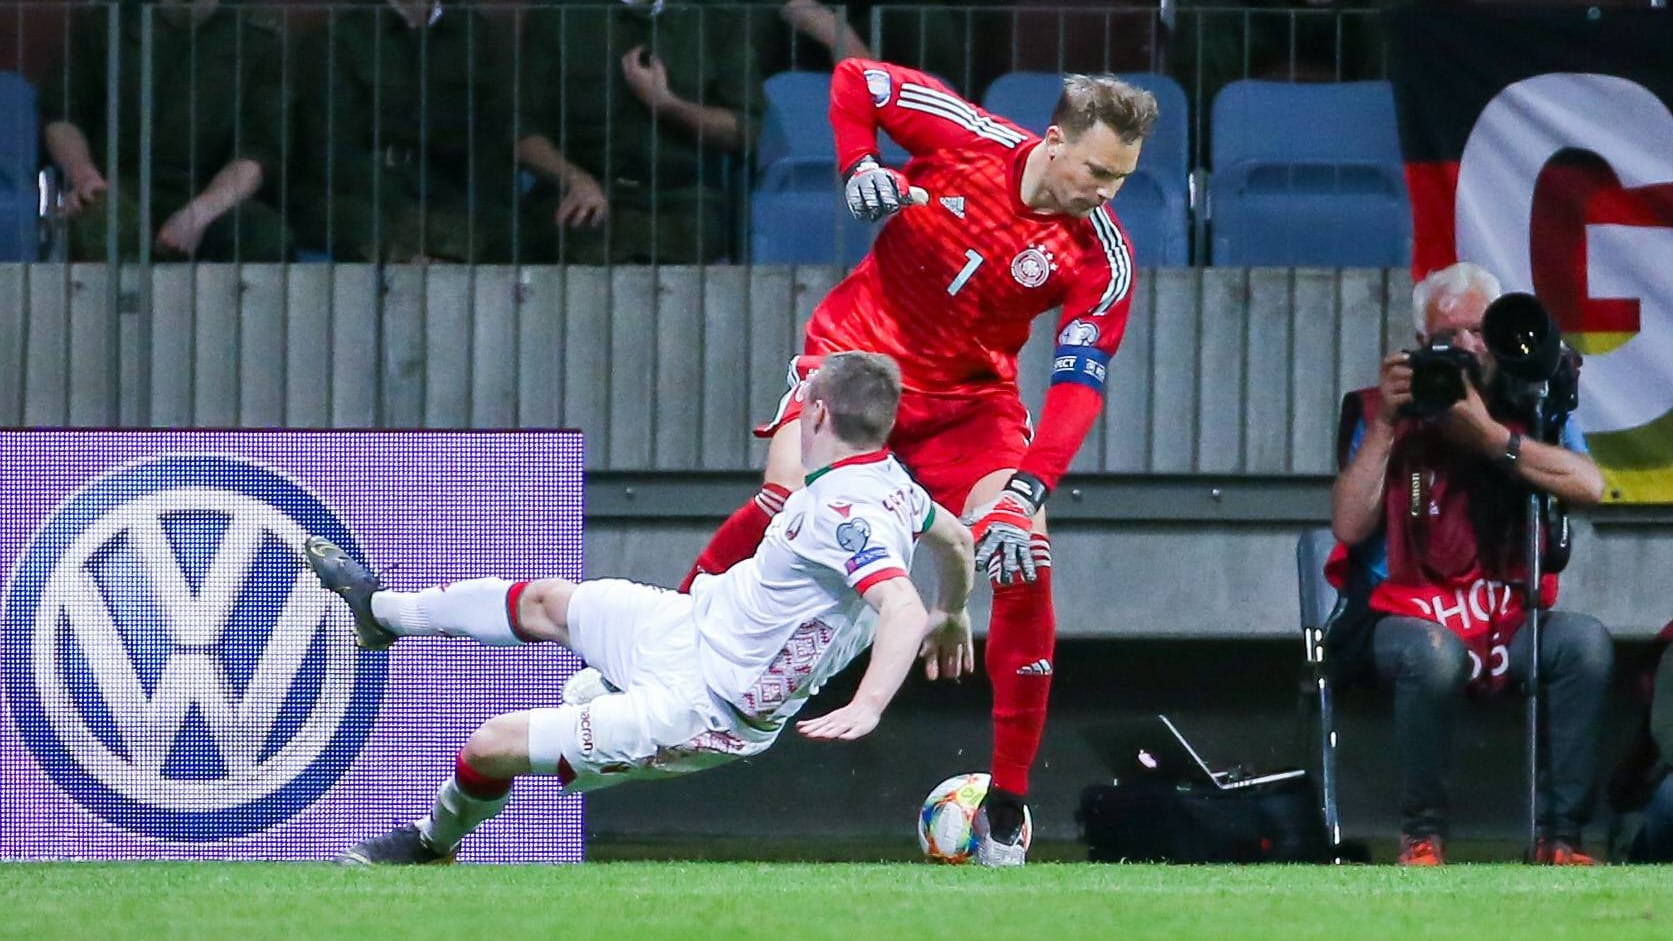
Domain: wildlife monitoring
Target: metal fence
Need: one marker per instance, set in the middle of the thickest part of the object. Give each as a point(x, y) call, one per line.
point(333, 144)
point(494, 133)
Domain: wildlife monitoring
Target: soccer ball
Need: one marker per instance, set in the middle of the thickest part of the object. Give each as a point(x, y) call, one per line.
point(947, 821)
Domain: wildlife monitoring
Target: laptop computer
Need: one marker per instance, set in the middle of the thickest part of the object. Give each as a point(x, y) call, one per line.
point(1154, 747)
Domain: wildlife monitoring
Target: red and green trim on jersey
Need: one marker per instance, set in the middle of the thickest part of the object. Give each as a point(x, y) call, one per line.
point(868, 457)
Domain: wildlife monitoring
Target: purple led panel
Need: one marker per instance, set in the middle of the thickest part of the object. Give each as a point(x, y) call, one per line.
point(179, 686)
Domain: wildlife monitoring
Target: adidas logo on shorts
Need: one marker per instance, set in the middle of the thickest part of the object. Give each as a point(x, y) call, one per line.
point(1041, 667)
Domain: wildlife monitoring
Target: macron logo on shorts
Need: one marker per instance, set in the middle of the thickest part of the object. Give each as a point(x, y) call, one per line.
point(1041, 667)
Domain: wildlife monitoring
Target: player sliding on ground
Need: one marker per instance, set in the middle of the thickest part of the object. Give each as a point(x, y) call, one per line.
point(1014, 226)
point(676, 682)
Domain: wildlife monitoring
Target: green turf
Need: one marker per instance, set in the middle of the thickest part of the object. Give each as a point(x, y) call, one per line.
point(850, 902)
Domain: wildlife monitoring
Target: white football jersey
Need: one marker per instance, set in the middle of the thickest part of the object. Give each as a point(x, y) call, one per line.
point(776, 626)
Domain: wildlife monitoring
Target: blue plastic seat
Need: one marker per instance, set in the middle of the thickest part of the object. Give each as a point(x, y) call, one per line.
point(796, 211)
point(1153, 204)
point(1308, 175)
point(19, 163)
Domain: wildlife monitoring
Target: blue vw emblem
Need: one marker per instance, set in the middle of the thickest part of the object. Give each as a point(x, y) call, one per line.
point(171, 662)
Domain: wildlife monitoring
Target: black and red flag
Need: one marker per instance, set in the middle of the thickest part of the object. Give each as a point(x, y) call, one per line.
point(1539, 144)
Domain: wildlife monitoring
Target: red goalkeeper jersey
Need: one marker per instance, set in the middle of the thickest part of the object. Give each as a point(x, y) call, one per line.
point(950, 289)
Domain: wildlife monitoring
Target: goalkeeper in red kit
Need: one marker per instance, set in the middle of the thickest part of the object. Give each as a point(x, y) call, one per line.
point(1013, 225)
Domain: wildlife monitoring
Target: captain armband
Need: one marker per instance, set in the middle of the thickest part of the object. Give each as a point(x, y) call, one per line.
point(1085, 365)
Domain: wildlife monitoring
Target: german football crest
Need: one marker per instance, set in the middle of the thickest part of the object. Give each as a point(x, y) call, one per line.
point(170, 662)
point(1032, 266)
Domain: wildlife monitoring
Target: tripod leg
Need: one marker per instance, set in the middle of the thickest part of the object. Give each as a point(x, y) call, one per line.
point(1327, 766)
point(1328, 807)
point(1534, 697)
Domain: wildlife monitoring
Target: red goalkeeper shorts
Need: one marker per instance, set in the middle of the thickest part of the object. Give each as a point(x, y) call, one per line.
point(948, 440)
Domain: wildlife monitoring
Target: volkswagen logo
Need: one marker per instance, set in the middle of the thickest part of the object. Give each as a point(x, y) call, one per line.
point(170, 661)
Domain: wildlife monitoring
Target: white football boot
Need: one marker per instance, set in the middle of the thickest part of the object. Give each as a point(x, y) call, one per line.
point(995, 852)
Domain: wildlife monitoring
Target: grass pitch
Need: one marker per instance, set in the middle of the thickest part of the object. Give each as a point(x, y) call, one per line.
point(850, 902)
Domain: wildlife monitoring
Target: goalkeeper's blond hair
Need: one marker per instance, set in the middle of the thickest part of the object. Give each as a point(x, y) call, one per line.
point(862, 391)
point(1126, 109)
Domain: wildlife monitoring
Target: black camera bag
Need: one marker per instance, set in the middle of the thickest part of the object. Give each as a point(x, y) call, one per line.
point(1149, 820)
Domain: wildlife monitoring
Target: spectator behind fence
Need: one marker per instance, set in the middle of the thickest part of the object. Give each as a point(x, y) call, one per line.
point(217, 111)
point(809, 36)
point(1432, 507)
point(1211, 43)
point(404, 146)
point(636, 120)
point(1641, 789)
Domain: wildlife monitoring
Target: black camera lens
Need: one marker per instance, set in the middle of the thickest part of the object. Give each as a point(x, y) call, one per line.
point(1523, 337)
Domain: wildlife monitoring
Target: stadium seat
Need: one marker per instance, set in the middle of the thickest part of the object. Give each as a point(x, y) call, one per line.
point(796, 212)
point(1318, 596)
point(19, 186)
point(1153, 204)
point(1308, 175)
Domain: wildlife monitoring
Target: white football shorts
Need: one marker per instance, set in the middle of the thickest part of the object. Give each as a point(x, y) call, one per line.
point(665, 721)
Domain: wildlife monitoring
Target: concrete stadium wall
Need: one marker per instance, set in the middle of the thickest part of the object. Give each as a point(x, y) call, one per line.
point(1158, 580)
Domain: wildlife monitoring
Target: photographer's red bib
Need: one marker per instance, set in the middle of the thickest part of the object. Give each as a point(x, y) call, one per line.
point(1454, 531)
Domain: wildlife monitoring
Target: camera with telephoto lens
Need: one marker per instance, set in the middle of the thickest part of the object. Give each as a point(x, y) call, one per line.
point(1531, 355)
point(1439, 371)
point(1540, 374)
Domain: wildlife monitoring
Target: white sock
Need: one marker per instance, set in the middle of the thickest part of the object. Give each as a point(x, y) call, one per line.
point(455, 814)
point(474, 608)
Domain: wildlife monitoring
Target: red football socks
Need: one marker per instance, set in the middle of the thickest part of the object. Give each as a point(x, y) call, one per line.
point(475, 784)
point(738, 537)
point(1021, 636)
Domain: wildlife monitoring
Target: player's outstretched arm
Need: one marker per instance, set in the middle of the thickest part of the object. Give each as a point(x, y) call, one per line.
point(915, 108)
point(948, 651)
point(901, 625)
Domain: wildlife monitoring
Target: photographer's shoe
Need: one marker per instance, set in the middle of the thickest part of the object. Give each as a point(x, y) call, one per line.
point(1421, 850)
point(1560, 852)
point(354, 584)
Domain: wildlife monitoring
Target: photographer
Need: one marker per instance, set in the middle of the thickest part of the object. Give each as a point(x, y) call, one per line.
point(1432, 504)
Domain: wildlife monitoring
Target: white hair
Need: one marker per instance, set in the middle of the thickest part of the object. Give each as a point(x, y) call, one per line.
point(1443, 287)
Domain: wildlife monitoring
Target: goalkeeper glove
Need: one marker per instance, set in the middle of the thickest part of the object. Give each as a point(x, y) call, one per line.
point(1002, 529)
point(874, 191)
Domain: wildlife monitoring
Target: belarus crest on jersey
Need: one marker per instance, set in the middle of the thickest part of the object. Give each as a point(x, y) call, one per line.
point(1032, 266)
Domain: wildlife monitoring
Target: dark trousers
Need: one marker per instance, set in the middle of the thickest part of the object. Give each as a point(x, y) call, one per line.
point(1429, 668)
point(686, 227)
point(1655, 841)
point(250, 231)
